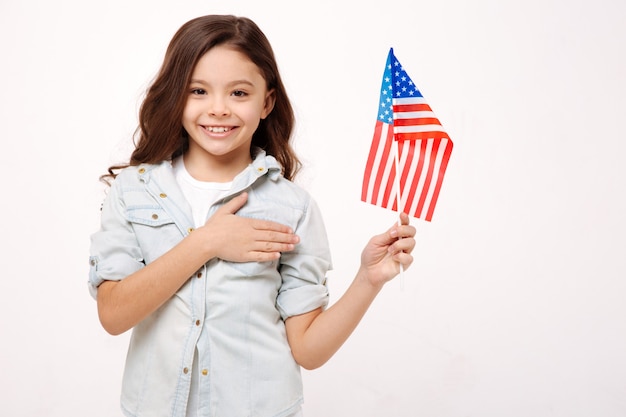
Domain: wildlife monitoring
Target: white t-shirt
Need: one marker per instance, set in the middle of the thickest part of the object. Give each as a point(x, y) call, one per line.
point(200, 194)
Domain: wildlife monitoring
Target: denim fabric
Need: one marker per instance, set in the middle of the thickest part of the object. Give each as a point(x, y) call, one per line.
point(232, 314)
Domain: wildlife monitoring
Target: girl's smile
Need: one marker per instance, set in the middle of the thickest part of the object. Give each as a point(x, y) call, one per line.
point(217, 129)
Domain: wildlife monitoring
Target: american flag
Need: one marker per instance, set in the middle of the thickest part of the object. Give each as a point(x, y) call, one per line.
point(422, 154)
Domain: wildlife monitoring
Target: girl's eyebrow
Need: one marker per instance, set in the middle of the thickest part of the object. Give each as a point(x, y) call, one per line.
point(232, 83)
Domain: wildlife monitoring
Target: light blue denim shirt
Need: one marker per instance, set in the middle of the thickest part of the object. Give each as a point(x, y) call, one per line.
point(231, 314)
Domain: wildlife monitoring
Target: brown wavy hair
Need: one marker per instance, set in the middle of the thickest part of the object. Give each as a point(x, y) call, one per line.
point(160, 135)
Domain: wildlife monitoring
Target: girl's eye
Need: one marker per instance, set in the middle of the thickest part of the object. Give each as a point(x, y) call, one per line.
point(198, 91)
point(239, 93)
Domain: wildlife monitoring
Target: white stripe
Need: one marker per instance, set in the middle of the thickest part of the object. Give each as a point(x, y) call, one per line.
point(418, 128)
point(413, 115)
point(409, 100)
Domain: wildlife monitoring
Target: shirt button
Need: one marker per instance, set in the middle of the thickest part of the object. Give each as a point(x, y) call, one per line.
point(185, 370)
point(205, 372)
point(155, 216)
point(190, 230)
point(162, 195)
point(198, 275)
point(142, 170)
point(197, 322)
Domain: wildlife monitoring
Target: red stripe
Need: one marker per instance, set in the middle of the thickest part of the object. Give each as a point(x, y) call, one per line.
point(417, 121)
point(389, 187)
point(411, 107)
point(421, 135)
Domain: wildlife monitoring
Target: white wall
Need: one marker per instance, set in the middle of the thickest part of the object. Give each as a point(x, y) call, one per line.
point(515, 303)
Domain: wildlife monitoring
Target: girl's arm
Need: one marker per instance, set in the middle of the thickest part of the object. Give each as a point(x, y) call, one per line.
point(123, 304)
point(314, 337)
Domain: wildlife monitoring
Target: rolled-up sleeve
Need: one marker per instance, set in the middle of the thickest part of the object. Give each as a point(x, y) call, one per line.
point(114, 251)
point(304, 270)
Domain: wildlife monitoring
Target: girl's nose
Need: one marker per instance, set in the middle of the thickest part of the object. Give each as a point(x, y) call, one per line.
point(218, 108)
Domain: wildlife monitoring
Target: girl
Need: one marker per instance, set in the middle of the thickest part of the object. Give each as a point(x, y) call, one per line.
point(210, 253)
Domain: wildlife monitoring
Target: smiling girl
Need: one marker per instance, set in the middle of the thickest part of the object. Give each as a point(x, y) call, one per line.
point(209, 251)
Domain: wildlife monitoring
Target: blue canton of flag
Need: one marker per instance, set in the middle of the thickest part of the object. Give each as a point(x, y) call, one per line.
point(396, 84)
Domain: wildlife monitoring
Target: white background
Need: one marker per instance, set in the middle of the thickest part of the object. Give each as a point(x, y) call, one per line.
point(516, 303)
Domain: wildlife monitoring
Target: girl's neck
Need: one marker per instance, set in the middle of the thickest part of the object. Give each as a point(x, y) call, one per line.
point(214, 169)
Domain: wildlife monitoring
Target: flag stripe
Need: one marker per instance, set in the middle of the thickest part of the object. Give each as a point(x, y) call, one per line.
point(399, 115)
point(410, 100)
point(410, 107)
point(421, 135)
point(429, 122)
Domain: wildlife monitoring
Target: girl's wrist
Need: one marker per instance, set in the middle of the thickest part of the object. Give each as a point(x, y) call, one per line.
point(368, 278)
point(206, 247)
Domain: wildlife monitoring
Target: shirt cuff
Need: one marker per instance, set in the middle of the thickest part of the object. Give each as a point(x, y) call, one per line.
point(301, 300)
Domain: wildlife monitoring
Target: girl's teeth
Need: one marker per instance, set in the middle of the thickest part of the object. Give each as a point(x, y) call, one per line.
point(218, 129)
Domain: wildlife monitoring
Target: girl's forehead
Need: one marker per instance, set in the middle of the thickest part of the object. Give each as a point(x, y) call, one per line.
point(225, 62)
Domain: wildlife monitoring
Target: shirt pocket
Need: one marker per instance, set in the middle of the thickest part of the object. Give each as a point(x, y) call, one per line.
point(148, 216)
point(155, 230)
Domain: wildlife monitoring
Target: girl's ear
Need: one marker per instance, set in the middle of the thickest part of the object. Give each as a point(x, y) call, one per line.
point(270, 99)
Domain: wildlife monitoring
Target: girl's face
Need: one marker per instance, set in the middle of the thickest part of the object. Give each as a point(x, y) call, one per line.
point(226, 100)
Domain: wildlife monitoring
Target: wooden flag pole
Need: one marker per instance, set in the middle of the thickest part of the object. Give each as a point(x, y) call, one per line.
point(398, 198)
